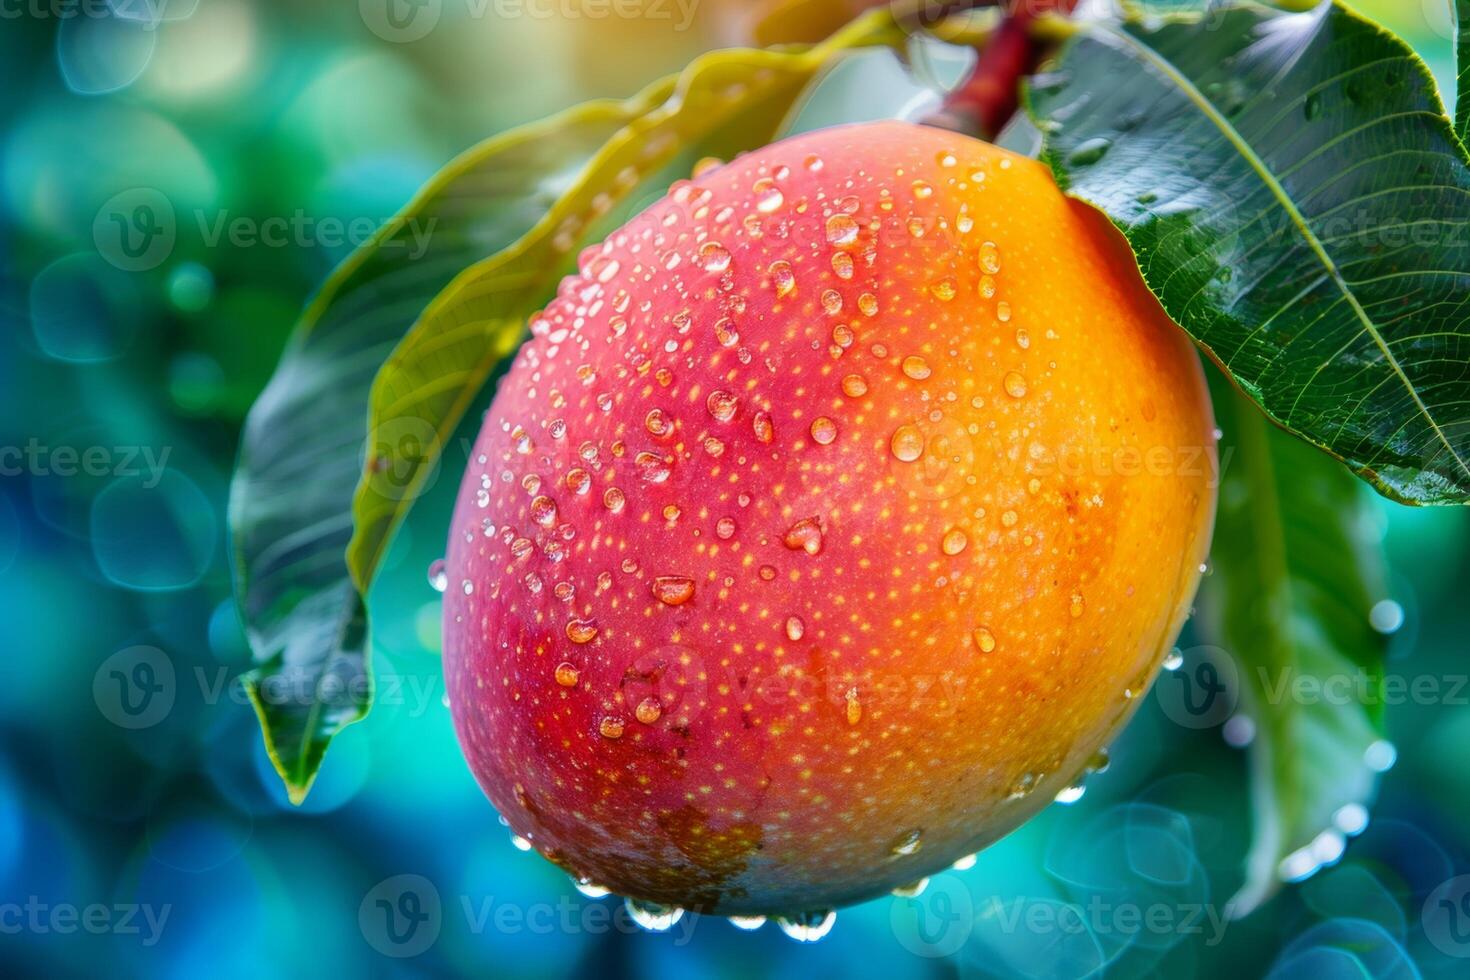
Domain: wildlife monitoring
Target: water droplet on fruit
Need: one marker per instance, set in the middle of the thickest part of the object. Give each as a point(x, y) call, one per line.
point(714, 257)
point(943, 289)
point(1076, 605)
point(922, 189)
point(1015, 384)
point(652, 466)
point(653, 916)
point(768, 197)
point(783, 280)
point(721, 405)
point(657, 423)
point(807, 927)
point(916, 367)
point(767, 572)
point(581, 630)
point(673, 590)
point(912, 890)
point(543, 511)
point(907, 443)
point(854, 386)
point(990, 258)
point(588, 888)
point(438, 577)
point(823, 430)
point(648, 711)
point(954, 542)
point(854, 706)
point(762, 427)
point(842, 229)
point(842, 265)
point(832, 302)
point(1023, 339)
point(1003, 311)
point(1174, 660)
point(907, 843)
point(966, 863)
point(725, 528)
point(579, 481)
point(795, 628)
point(567, 675)
point(814, 164)
point(613, 499)
point(984, 639)
point(611, 727)
point(749, 923)
point(868, 304)
point(804, 535)
point(1071, 794)
point(1099, 760)
point(1023, 786)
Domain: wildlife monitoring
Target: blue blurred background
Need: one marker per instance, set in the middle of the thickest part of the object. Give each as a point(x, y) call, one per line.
point(142, 832)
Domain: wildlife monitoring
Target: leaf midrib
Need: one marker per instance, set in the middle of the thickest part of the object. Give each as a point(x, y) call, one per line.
point(1207, 108)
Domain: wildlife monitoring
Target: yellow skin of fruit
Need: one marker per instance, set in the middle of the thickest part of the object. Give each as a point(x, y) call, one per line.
point(952, 520)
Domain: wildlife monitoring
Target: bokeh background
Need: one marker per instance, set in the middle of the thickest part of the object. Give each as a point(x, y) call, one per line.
point(142, 832)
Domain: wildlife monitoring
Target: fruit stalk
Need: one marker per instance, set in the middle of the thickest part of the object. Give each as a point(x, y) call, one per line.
point(985, 102)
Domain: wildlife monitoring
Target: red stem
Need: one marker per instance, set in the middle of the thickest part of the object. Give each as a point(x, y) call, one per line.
point(987, 100)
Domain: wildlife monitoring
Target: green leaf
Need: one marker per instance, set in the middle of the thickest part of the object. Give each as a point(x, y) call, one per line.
point(1300, 204)
point(1297, 567)
point(1461, 10)
point(313, 456)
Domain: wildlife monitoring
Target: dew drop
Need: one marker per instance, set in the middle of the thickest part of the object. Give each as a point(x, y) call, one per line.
point(824, 430)
point(1023, 339)
point(1015, 384)
point(807, 927)
point(912, 890)
point(954, 542)
point(768, 197)
point(767, 572)
point(854, 386)
point(657, 423)
point(673, 590)
point(916, 367)
point(648, 711)
point(652, 467)
point(761, 425)
point(611, 727)
point(842, 229)
point(653, 916)
point(814, 164)
point(868, 304)
point(984, 639)
point(567, 675)
point(783, 280)
point(804, 535)
point(1089, 151)
point(922, 189)
point(438, 577)
point(842, 265)
point(613, 499)
point(943, 289)
point(590, 889)
point(721, 405)
point(1076, 606)
point(1174, 660)
point(543, 511)
point(795, 628)
point(832, 302)
point(854, 706)
point(579, 481)
point(990, 258)
point(966, 863)
point(1003, 311)
point(750, 923)
point(714, 257)
point(907, 443)
point(581, 630)
point(725, 528)
point(1071, 794)
point(907, 843)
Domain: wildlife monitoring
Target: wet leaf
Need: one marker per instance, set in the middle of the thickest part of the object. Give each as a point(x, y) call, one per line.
point(1299, 202)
